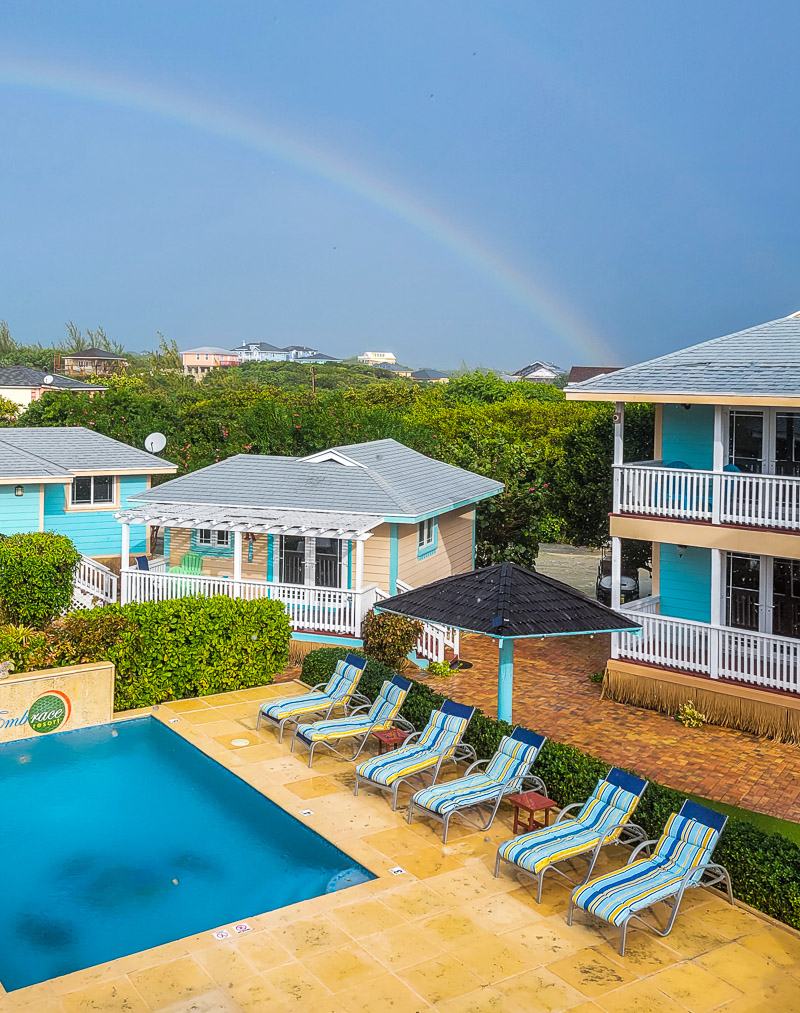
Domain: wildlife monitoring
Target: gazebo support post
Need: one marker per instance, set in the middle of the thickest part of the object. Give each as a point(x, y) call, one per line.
point(505, 679)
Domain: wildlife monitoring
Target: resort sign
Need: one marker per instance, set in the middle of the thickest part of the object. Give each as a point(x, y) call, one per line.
point(48, 712)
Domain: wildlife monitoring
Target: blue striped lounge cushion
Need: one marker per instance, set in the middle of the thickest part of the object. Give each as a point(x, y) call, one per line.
point(606, 811)
point(503, 774)
point(340, 688)
point(380, 715)
point(440, 737)
point(685, 844)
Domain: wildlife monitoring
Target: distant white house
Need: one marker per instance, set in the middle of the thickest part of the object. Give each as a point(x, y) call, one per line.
point(22, 384)
point(377, 358)
point(263, 351)
point(539, 372)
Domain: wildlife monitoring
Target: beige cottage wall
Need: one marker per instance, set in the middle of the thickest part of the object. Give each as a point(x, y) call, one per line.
point(215, 566)
point(453, 550)
point(377, 553)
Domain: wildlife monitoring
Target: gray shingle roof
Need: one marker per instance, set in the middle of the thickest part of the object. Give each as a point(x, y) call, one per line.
point(26, 376)
point(93, 353)
point(393, 481)
point(760, 360)
point(429, 374)
point(68, 449)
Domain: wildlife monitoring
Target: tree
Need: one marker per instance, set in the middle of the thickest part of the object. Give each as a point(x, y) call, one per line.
point(7, 343)
point(36, 575)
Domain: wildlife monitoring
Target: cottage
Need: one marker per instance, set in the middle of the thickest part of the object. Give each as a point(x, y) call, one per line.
point(92, 362)
point(327, 533)
point(22, 384)
point(720, 504)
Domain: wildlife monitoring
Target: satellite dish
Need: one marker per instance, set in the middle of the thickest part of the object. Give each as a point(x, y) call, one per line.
point(47, 379)
point(155, 443)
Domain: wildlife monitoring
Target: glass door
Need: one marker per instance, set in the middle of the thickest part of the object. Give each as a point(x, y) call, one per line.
point(786, 597)
point(786, 456)
point(746, 440)
point(293, 560)
point(328, 562)
point(762, 594)
point(743, 591)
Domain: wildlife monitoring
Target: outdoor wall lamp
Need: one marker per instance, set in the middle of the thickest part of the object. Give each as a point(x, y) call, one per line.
point(18, 490)
point(681, 549)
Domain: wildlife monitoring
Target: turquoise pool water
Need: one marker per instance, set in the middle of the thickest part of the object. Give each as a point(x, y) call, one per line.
point(124, 836)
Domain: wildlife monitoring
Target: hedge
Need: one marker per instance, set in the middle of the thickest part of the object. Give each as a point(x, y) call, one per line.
point(166, 650)
point(764, 868)
point(36, 575)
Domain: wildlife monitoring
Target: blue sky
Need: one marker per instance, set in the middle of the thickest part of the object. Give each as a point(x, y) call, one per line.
point(450, 179)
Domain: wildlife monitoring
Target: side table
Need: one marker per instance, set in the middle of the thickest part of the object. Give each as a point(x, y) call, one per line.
point(391, 738)
point(530, 802)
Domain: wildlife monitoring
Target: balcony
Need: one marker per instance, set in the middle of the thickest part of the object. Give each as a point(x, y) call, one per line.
point(651, 489)
point(721, 652)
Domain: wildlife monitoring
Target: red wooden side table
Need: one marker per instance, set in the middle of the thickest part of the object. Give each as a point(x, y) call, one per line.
point(391, 738)
point(530, 802)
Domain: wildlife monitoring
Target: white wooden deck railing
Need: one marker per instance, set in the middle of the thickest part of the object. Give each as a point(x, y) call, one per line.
point(759, 659)
point(326, 609)
point(723, 497)
point(94, 582)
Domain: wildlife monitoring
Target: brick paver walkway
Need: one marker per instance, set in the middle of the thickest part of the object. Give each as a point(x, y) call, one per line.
point(553, 695)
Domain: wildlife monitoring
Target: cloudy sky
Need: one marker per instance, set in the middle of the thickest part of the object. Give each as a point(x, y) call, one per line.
point(450, 179)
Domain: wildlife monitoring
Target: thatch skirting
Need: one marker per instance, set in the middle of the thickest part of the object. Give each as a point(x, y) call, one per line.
point(771, 715)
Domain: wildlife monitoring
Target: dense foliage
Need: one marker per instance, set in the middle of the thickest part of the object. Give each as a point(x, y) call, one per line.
point(389, 638)
point(553, 455)
point(764, 868)
point(164, 650)
point(36, 574)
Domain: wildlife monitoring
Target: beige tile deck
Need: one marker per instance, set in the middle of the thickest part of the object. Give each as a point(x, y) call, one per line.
point(445, 935)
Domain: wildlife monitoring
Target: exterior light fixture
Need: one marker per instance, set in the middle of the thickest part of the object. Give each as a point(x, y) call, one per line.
point(681, 550)
point(19, 490)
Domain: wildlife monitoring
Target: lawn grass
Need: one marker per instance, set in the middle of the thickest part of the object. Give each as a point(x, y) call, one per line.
point(769, 824)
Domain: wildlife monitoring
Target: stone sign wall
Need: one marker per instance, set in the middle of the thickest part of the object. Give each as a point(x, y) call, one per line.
point(56, 699)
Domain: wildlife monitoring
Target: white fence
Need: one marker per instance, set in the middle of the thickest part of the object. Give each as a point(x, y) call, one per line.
point(724, 497)
point(759, 659)
point(324, 609)
point(93, 583)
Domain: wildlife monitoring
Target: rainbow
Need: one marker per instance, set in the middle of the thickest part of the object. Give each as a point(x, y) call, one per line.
point(271, 140)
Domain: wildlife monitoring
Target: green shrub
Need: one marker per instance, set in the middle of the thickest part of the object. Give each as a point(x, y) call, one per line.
point(389, 638)
point(27, 648)
point(764, 868)
point(36, 574)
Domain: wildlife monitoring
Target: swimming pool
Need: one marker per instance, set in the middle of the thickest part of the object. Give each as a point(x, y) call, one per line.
point(121, 837)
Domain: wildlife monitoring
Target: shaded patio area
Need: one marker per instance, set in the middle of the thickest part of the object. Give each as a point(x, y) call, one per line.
point(553, 696)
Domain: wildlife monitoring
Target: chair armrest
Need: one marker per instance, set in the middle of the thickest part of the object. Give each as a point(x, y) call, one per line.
point(566, 809)
point(357, 710)
point(411, 738)
point(404, 724)
point(319, 687)
point(477, 763)
point(359, 698)
point(638, 848)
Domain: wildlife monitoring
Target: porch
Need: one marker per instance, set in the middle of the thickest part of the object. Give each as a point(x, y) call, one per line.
point(709, 649)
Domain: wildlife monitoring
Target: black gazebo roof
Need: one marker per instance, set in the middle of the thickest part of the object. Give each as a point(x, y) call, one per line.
point(506, 600)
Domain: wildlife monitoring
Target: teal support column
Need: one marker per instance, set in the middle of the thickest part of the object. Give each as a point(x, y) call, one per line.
point(393, 558)
point(505, 679)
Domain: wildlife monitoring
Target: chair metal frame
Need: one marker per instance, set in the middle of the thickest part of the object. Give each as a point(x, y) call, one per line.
point(631, 833)
point(536, 784)
point(719, 874)
point(461, 751)
point(359, 698)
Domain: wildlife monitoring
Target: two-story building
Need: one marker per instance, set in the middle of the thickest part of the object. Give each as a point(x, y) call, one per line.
point(720, 504)
point(377, 358)
point(263, 351)
point(327, 534)
point(91, 362)
point(201, 360)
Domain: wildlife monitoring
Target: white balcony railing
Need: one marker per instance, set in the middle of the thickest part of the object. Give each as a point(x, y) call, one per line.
point(324, 609)
point(650, 489)
point(759, 659)
point(94, 583)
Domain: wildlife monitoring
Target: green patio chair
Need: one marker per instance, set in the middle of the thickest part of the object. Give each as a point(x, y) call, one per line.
point(191, 562)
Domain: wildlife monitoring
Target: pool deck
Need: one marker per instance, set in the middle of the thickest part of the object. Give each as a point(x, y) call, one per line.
point(444, 934)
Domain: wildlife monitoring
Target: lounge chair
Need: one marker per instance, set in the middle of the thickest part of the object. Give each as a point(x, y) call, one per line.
point(681, 859)
point(359, 724)
point(508, 769)
point(323, 698)
point(191, 562)
point(427, 750)
point(603, 819)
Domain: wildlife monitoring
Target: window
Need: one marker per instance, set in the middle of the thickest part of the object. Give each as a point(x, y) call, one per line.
point(293, 560)
point(88, 490)
point(214, 539)
point(426, 538)
point(327, 562)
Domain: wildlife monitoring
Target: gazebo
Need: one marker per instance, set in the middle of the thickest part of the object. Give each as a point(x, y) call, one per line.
point(508, 602)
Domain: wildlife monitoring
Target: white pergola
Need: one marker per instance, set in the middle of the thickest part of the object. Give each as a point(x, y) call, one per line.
point(302, 523)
